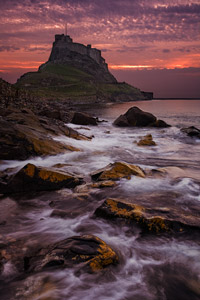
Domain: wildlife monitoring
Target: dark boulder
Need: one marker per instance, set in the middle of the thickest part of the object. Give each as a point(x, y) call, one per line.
point(139, 118)
point(191, 131)
point(89, 251)
point(83, 119)
point(32, 178)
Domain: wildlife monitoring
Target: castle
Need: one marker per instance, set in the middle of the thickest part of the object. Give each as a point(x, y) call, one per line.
point(64, 44)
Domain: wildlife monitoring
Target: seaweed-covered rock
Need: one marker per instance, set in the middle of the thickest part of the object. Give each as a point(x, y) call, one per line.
point(146, 141)
point(116, 171)
point(88, 250)
point(150, 220)
point(139, 118)
point(33, 178)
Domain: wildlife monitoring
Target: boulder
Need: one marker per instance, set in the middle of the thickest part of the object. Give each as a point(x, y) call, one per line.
point(83, 119)
point(147, 140)
point(149, 220)
point(116, 171)
point(139, 118)
point(33, 178)
point(191, 131)
point(23, 134)
point(89, 251)
point(160, 124)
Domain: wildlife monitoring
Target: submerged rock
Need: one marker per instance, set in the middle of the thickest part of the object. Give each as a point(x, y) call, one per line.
point(83, 119)
point(33, 178)
point(88, 250)
point(116, 171)
point(139, 118)
point(103, 184)
point(146, 141)
point(192, 131)
point(150, 220)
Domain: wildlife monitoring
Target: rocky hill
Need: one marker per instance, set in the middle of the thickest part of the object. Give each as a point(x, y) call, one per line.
point(77, 73)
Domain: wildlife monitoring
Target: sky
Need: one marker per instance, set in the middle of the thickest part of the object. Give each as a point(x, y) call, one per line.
point(153, 45)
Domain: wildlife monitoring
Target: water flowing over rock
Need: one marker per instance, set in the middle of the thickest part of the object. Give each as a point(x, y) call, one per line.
point(139, 118)
point(149, 220)
point(23, 134)
point(116, 171)
point(89, 251)
point(146, 141)
point(192, 131)
point(33, 178)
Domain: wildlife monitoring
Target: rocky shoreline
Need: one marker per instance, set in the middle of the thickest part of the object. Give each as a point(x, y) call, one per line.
point(32, 133)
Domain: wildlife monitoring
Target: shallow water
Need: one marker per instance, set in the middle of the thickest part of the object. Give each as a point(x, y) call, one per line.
point(151, 267)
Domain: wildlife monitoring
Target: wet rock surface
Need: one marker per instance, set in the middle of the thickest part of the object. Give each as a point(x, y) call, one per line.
point(88, 250)
point(83, 119)
point(116, 171)
point(149, 219)
point(191, 131)
point(33, 178)
point(137, 118)
point(146, 141)
point(23, 134)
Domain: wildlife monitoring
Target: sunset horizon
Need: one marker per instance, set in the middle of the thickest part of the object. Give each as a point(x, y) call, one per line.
point(151, 45)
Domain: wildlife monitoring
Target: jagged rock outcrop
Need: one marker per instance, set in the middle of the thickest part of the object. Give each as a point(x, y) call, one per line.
point(23, 134)
point(78, 73)
point(86, 58)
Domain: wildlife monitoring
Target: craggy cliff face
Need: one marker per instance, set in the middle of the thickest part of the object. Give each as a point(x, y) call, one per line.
point(65, 51)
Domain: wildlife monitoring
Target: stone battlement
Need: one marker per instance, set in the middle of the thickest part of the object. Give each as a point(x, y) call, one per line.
point(64, 43)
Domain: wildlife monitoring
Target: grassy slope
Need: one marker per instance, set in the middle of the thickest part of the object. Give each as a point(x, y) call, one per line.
point(66, 82)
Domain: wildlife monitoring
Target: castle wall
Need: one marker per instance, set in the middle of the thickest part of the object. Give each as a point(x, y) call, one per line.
point(65, 42)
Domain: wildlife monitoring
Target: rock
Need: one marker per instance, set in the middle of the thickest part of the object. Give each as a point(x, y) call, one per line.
point(160, 124)
point(89, 251)
point(146, 141)
point(171, 171)
point(23, 134)
point(136, 117)
point(103, 184)
point(116, 171)
point(83, 119)
point(191, 131)
point(33, 178)
point(147, 219)
point(61, 213)
point(121, 121)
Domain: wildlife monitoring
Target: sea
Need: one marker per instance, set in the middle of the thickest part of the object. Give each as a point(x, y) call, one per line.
point(151, 267)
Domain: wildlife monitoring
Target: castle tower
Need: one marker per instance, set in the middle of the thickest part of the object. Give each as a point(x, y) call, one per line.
point(65, 28)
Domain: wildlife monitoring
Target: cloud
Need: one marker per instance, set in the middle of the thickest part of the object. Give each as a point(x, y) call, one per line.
point(8, 48)
point(166, 50)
